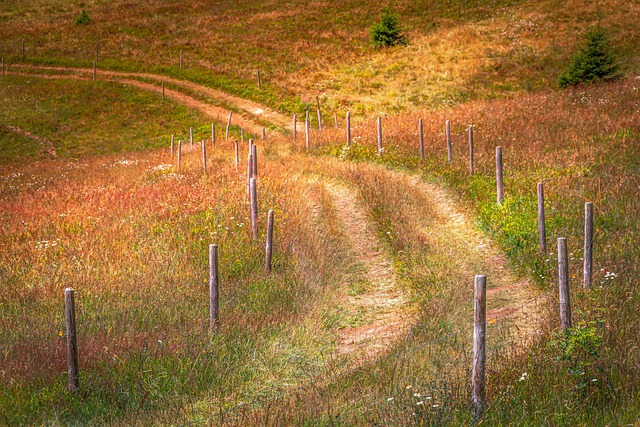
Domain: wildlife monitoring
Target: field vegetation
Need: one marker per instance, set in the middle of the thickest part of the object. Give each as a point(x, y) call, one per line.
point(366, 318)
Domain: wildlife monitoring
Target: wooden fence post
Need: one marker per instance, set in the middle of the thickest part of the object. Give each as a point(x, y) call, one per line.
point(542, 233)
point(499, 181)
point(254, 158)
point(306, 132)
point(421, 134)
point(348, 126)
point(269, 243)
point(335, 119)
point(295, 127)
point(163, 91)
point(471, 150)
point(172, 147)
point(72, 343)
point(242, 134)
point(191, 138)
point(204, 157)
point(588, 244)
point(448, 134)
point(213, 135)
point(264, 134)
point(254, 208)
point(259, 80)
point(179, 153)
point(226, 138)
point(479, 347)
point(249, 172)
point(214, 283)
point(379, 135)
point(319, 113)
point(563, 284)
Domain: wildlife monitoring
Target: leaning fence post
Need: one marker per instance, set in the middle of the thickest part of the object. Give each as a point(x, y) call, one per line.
point(542, 233)
point(499, 181)
point(563, 284)
point(448, 134)
point(72, 343)
point(588, 243)
point(214, 300)
point(479, 347)
point(295, 127)
point(319, 113)
point(254, 208)
point(228, 126)
point(471, 150)
point(421, 134)
point(269, 243)
point(348, 126)
point(379, 135)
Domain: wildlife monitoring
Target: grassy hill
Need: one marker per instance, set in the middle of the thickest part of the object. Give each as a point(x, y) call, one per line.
point(110, 214)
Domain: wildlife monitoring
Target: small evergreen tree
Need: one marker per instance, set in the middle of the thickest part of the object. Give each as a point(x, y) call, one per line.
point(593, 62)
point(83, 19)
point(387, 32)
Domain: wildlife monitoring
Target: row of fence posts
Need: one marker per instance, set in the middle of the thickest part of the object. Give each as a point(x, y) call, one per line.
point(214, 275)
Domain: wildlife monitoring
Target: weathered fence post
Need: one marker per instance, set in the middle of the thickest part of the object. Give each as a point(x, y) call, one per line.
point(379, 135)
point(542, 233)
point(72, 343)
point(348, 126)
point(179, 153)
point(213, 135)
point(269, 243)
point(254, 208)
point(191, 138)
point(588, 244)
point(499, 181)
point(306, 132)
point(242, 134)
point(421, 134)
point(226, 135)
point(214, 283)
point(172, 149)
point(95, 71)
point(259, 80)
point(254, 158)
point(319, 113)
point(563, 284)
point(471, 150)
point(295, 127)
point(448, 134)
point(249, 172)
point(163, 91)
point(479, 347)
point(181, 59)
point(264, 134)
point(204, 157)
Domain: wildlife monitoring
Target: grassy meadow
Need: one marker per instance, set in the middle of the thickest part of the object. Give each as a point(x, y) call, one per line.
point(91, 198)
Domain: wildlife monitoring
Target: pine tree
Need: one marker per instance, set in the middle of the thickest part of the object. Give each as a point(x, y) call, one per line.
point(387, 32)
point(594, 61)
